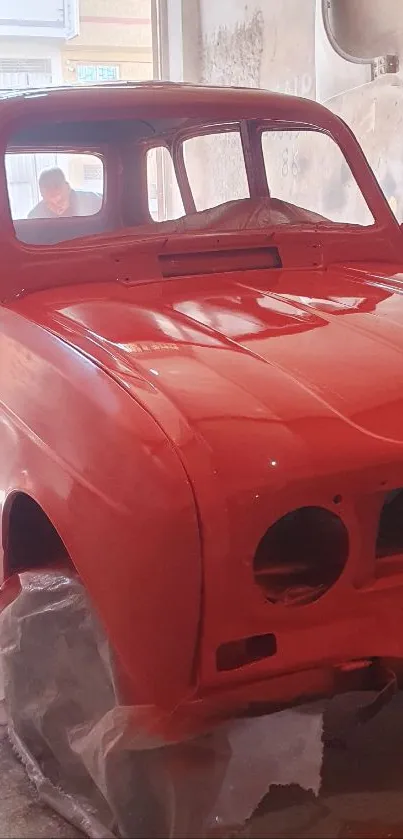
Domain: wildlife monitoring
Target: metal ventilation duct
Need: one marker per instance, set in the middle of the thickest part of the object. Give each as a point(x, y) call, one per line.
point(365, 29)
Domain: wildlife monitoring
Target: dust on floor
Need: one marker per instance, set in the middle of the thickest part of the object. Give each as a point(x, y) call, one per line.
point(361, 797)
point(21, 814)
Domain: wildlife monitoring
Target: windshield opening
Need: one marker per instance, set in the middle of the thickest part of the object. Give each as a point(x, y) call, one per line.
point(75, 180)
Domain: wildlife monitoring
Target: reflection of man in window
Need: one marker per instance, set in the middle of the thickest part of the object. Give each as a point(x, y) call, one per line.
point(60, 200)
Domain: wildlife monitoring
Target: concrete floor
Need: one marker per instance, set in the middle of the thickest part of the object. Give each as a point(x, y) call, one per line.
point(21, 815)
point(361, 798)
point(362, 785)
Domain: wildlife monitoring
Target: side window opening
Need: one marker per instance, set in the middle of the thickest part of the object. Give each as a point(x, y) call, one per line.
point(52, 184)
point(215, 167)
point(164, 196)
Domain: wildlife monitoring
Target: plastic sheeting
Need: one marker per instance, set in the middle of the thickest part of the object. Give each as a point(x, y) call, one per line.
point(97, 763)
point(244, 214)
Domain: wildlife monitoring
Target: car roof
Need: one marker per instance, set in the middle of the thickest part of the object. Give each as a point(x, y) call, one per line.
point(211, 91)
point(54, 90)
point(166, 97)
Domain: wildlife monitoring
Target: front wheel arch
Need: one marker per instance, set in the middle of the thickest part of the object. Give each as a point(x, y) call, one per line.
point(29, 537)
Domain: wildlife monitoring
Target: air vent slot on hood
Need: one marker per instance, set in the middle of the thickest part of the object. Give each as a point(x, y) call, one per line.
point(218, 261)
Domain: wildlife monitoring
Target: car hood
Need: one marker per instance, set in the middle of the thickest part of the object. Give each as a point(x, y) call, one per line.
point(316, 357)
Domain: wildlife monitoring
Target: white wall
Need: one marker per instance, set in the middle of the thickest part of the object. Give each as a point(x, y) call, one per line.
point(26, 48)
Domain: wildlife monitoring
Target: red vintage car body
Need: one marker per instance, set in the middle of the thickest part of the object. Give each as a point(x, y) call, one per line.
point(164, 423)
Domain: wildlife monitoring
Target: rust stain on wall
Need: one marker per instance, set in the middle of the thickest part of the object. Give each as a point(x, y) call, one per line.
point(234, 57)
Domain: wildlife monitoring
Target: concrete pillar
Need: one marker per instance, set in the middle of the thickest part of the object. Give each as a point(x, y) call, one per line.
point(191, 34)
point(176, 36)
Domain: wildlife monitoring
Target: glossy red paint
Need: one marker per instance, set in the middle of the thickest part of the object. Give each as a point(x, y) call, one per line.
point(164, 424)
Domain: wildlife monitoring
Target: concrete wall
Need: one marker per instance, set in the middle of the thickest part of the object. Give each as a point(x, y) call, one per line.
point(278, 44)
point(259, 44)
point(375, 113)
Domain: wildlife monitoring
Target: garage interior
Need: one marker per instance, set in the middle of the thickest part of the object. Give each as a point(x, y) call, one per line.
point(333, 768)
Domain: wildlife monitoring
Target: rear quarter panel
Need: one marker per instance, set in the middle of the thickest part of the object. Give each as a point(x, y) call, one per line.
point(111, 483)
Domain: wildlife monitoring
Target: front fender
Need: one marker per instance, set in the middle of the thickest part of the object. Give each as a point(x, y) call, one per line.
point(111, 483)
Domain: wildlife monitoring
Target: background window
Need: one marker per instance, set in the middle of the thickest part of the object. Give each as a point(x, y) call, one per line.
point(307, 168)
point(164, 197)
point(84, 173)
point(216, 170)
point(87, 73)
point(25, 72)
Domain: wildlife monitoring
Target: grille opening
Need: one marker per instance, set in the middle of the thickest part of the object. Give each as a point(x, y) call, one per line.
point(237, 654)
point(390, 531)
point(301, 556)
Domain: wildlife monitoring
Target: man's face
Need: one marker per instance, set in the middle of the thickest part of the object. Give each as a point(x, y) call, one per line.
point(57, 198)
